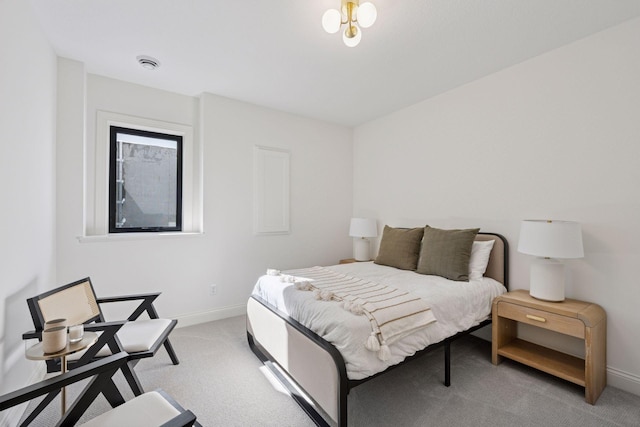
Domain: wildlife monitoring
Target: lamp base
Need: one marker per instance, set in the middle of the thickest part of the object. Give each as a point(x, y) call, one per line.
point(361, 249)
point(547, 280)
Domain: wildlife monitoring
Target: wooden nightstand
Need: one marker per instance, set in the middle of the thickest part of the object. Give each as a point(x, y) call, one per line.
point(347, 261)
point(578, 319)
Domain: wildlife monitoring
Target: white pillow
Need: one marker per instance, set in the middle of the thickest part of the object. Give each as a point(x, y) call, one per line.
point(480, 252)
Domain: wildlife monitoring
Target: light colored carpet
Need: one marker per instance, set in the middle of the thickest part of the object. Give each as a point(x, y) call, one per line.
point(221, 381)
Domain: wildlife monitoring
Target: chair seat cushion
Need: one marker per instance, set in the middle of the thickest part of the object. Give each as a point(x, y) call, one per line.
point(135, 336)
point(148, 409)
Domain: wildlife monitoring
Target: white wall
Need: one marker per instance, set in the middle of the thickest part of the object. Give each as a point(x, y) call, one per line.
point(557, 137)
point(27, 217)
point(227, 254)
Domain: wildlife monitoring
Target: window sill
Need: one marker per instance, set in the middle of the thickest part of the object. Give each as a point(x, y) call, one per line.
point(121, 237)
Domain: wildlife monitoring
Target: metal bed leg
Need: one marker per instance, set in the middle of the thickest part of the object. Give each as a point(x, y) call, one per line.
point(447, 363)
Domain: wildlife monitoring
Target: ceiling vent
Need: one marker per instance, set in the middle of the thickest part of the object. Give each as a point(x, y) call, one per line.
point(148, 62)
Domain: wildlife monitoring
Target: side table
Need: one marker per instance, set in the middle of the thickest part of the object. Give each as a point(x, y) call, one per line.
point(36, 352)
point(580, 319)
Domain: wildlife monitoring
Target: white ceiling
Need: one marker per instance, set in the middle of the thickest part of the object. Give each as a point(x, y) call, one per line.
point(275, 53)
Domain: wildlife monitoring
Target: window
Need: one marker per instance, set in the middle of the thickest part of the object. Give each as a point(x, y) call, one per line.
point(145, 181)
point(97, 187)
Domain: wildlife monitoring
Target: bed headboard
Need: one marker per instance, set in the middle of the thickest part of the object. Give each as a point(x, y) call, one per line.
point(498, 267)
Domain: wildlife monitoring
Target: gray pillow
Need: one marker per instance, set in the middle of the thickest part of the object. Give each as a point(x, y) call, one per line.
point(400, 247)
point(446, 253)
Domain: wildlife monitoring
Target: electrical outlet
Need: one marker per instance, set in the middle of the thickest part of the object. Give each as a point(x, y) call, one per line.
point(213, 289)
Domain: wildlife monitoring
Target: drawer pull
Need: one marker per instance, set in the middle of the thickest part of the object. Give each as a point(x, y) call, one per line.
point(536, 318)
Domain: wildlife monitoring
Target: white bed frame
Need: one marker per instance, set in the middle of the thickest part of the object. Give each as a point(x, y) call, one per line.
point(312, 369)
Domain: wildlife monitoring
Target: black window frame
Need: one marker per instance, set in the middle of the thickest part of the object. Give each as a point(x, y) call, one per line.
point(114, 131)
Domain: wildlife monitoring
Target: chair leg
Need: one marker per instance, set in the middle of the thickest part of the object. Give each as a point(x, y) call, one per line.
point(112, 394)
point(172, 353)
point(45, 402)
point(98, 384)
point(132, 378)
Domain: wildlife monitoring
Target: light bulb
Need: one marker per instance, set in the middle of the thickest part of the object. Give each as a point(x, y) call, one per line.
point(367, 14)
point(331, 21)
point(355, 39)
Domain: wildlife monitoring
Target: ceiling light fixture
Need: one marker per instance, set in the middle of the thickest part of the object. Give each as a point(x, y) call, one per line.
point(354, 15)
point(148, 62)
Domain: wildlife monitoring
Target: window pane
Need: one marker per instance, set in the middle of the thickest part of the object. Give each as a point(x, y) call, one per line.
point(145, 179)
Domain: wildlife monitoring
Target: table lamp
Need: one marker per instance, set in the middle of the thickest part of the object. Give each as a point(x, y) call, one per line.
point(548, 240)
point(362, 228)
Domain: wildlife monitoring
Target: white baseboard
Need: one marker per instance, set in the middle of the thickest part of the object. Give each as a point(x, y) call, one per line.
point(211, 315)
point(623, 380)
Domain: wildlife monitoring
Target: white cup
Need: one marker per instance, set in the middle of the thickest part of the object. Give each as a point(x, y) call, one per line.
point(76, 332)
point(54, 339)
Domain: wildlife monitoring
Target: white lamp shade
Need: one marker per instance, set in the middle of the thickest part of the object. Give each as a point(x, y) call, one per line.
point(352, 41)
point(551, 239)
point(363, 227)
point(331, 21)
point(367, 14)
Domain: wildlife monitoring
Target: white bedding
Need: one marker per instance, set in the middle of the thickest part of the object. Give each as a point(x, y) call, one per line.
point(457, 306)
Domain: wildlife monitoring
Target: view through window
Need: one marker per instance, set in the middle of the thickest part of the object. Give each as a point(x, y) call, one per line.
point(145, 181)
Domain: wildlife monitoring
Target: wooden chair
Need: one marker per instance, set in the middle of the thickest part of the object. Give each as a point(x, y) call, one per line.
point(150, 409)
point(77, 302)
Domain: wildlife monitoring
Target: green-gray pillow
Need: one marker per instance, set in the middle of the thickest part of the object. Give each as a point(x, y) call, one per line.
point(400, 247)
point(446, 253)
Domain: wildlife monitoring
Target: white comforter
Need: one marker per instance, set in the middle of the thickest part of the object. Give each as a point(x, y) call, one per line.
point(457, 306)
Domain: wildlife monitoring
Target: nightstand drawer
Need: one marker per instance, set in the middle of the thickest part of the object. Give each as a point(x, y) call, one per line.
point(542, 319)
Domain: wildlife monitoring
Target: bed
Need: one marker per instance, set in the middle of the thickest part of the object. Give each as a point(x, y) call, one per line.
point(296, 327)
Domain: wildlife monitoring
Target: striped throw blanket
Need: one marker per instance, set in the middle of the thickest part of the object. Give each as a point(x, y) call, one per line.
point(392, 313)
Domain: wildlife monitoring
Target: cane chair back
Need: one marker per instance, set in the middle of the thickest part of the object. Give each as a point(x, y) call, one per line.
point(75, 302)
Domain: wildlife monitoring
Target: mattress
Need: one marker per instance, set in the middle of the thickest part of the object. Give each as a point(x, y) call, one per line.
point(457, 306)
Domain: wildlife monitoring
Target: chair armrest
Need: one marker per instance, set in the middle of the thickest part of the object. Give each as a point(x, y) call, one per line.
point(87, 327)
point(102, 326)
point(105, 367)
point(185, 419)
point(145, 305)
point(31, 335)
point(133, 297)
